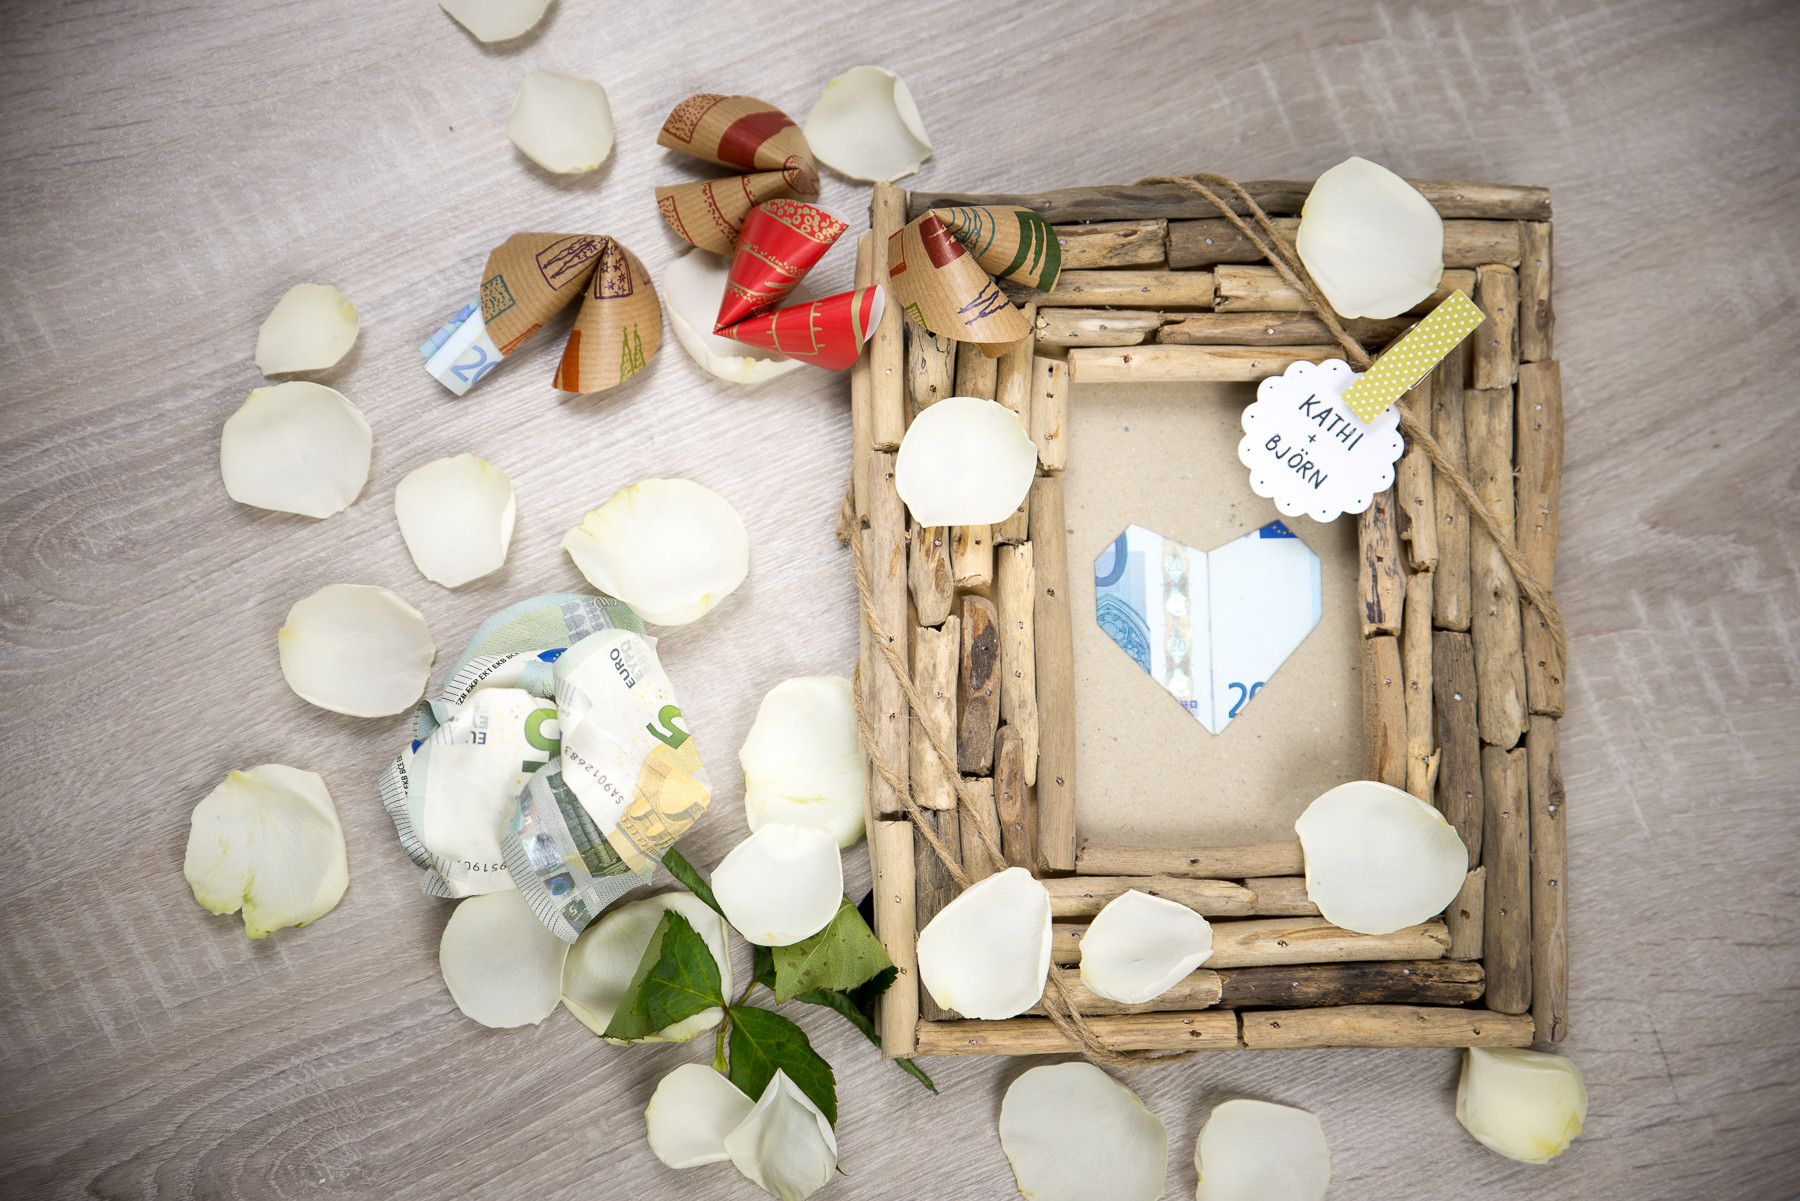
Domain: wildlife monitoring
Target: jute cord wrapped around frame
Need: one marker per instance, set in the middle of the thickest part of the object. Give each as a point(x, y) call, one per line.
point(1058, 1003)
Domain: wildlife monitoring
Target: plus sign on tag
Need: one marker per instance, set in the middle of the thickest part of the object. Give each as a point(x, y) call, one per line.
point(1308, 452)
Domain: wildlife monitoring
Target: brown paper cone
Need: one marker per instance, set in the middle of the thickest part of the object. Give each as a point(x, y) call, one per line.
point(708, 213)
point(529, 278)
point(1009, 242)
point(618, 329)
point(742, 132)
point(938, 283)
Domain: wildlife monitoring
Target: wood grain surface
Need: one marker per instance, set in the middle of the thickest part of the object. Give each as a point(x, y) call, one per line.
point(171, 168)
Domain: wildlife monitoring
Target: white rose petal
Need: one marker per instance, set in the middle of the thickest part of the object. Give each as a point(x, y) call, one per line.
point(1073, 1133)
point(691, 1112)
point(671, 549)
point(496, 20)
point(1525, 1105)
point(267, 841)
point(598, 974)
point(987, 953)
point(561, 122)
point(1140, 946)
point(965, 461)
point(503, 967)
point(457, 518)
point(865, 125)
point(692, 288)
point(1255, 1151)
point(297, 447)
point(781, 885)
point(803, 762)
point(1377, 859)
point(785, 1146)
point(311, 327)
point(1372, 243)
point(356, 649)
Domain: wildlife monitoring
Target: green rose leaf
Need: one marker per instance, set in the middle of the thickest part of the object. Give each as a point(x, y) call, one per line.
point(763, 1042)
point(841, 956)
point(689, 878)
point(763, 967)
point(858, 1008)
point(676, 978)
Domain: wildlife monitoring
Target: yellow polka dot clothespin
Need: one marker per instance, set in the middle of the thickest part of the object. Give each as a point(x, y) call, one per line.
point(1406, 362)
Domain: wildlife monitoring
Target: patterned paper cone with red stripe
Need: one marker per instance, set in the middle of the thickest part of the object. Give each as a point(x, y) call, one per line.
point(732, 131)
point(531, 277)
point(827, 333)
point(938, 283)
point(780, 242)
point(1008, 241)
point(618, 329)
point(708, 213)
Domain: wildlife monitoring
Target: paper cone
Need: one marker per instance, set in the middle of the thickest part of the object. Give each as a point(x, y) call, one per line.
point(938, 283)
point(529, 278)
point(619, 326)
point(708, 213)
point(742, 132)
point(780, 242)
point(827, 333)
point(1009, 242)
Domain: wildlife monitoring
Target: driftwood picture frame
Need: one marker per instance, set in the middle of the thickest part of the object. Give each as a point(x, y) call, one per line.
point(1461, 682)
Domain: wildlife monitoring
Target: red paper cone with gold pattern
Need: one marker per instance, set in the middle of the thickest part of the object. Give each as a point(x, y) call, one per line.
point(827, 333)
point(780, 242)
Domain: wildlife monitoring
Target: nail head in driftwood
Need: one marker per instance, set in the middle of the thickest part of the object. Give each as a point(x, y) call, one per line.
point(1462, 686)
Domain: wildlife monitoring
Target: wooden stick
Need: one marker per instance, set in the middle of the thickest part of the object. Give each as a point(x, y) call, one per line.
point(887, 581)
point(975, 859)
point(1415, 671)
point(1207, 1030)
point(1258, 329)
point(1196, 990)
point(1056, 678)
point(862, 404)
point(1465, 919)
point(978, 687)
point(972, 555)
point(1015, 594)
point(1451, 602)
point(1206, 863)
point(1496, 340)
point(1012, 826)
point(1537, 313)
point(1467, 243)
point(928, 574)
point(898, 1010)
point(887, 213)
point(1549, 884)
point(930, 366)
point(1188, 364)
point(1384, 711)
point(1280, 896)
point(1253, 942)
point(932, 884)
point(1459, 792)
point(1538, 454)
point(1495, 622)
point(1049, 412)
point(1097, 327)
point(1283, 197)
point(1114, 244)
point(1012, 373)
point(1084, 896)
point(1131, 288)
point(1399, 982)
point(976, 374)
point(1415, 499)
point(935, 656)
point(1381, 584)
point(1262, 290)
point(1506, 846)
point(1383, 1026)
point(1014, 529)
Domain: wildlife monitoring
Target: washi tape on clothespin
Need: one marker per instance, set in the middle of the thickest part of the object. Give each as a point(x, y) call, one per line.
point(1402, 365)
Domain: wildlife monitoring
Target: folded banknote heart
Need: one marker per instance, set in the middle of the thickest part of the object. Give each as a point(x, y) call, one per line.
point(1210, 628)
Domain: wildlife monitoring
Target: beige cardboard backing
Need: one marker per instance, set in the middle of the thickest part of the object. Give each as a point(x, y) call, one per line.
point(1165, 456)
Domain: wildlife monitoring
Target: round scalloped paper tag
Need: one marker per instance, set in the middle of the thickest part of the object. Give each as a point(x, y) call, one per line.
point(1308, 452)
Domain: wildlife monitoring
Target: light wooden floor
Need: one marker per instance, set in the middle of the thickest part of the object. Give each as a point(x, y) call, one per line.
point(171, 168)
